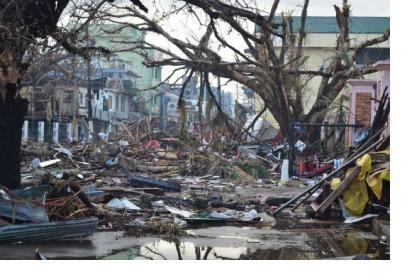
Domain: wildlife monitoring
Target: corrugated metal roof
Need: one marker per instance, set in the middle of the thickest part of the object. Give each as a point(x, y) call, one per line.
point(365, 25)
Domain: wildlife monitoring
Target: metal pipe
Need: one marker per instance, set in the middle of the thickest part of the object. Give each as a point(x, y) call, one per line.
point(326, 125)
point(291, 147)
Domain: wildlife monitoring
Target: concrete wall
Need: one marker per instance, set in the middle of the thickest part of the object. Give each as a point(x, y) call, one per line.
point(51, 132)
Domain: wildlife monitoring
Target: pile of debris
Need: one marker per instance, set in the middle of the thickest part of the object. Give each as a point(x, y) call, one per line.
point(124, 182)
point(360, 187)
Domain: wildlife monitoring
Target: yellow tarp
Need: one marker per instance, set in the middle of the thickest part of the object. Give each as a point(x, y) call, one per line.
point(335, 183)
point(365, 162)
point(375, 181)
point(355, 197)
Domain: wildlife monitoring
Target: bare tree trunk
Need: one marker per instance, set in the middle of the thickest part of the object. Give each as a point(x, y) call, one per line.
point(12, 112)
point(280, 117)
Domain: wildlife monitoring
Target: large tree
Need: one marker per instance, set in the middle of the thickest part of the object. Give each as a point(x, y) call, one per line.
point(276, 72)
point(27, 27)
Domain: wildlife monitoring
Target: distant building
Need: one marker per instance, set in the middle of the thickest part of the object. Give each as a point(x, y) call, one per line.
point(58, 109)
point(115, 38)
point(227, 103)
point(171, 93)
point(122, 88)
point(320, 42)
point(322, 37)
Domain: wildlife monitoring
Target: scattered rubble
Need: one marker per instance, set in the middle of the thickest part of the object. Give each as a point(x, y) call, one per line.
point(157, 183)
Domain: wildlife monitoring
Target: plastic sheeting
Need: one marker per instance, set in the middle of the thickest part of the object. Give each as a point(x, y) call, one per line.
point(355, 198)
point(122, 204)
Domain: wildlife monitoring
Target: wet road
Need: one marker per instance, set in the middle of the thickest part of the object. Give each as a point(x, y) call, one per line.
point(303, 239)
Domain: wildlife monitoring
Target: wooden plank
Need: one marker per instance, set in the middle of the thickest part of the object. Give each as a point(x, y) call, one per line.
point(379, 157)
point(336, 193)
point(83, 197)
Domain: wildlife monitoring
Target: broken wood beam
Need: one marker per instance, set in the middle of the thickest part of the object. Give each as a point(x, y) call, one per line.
point(83, 197)
point(338, 191)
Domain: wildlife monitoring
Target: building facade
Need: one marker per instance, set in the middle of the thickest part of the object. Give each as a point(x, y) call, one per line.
point(58, 107)
point(364, 97)
point(117, 39)
point(320, 46)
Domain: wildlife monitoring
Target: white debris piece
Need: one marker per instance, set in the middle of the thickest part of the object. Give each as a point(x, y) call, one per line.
point(158, 203)
point(254, 241)
point(123, 143)
point(300, 145)
point(176, 211)
point(48, 162)
point(122, 204)
point(249, 216)
point(116, 180)
point(353, 219)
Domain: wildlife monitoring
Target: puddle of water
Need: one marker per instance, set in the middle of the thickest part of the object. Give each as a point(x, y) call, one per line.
point(352, 243)
point(287, 240)
point(163, 250)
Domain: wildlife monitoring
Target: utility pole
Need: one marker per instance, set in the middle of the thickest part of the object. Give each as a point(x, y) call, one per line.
point(89, 95)
point(162, 112)
point(219, 92)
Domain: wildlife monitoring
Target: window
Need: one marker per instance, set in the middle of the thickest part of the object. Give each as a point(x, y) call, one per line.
point(68, 98)
point(123, 104)
point(117, 103)
point(371, 55)
point(82, 99)
point(110, 105)
point(105, 104)
point(157, 73)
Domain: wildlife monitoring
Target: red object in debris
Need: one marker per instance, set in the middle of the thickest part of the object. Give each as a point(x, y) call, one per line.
point(302, 167)
point(153, 144)
point(319, 171)
point(273, 209)
point(277, 139)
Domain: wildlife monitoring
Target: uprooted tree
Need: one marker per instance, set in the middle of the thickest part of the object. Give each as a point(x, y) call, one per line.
point(276, 72)
point(28, 27)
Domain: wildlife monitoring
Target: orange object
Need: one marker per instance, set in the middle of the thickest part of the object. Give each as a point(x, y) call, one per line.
point(302, 167)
